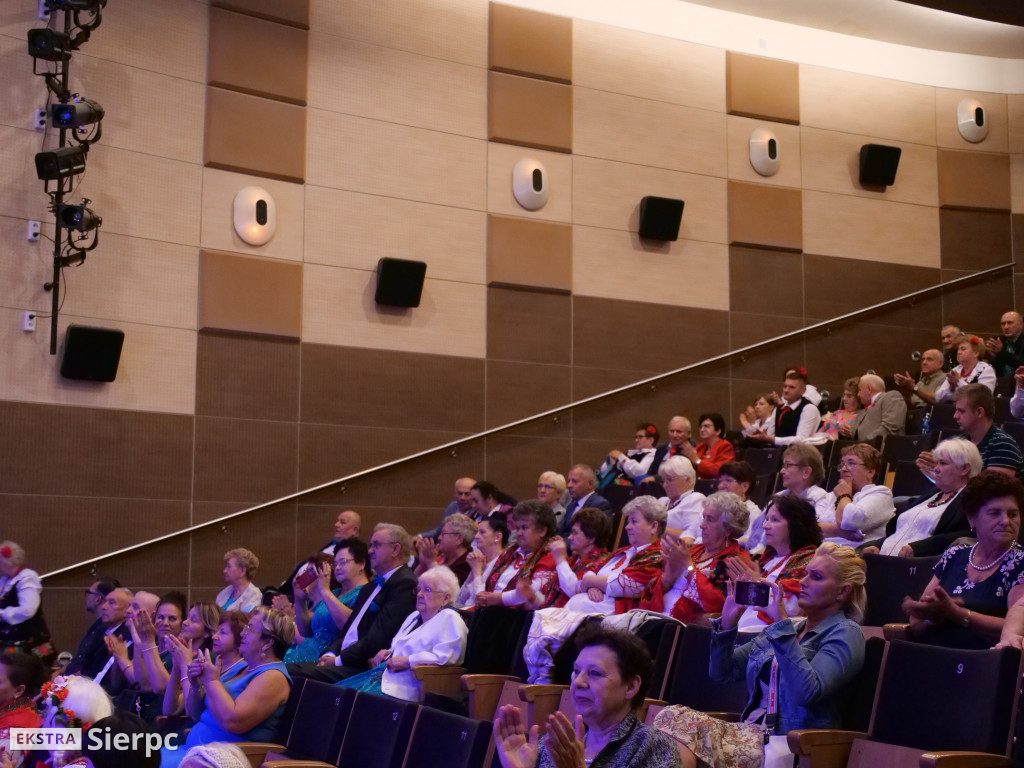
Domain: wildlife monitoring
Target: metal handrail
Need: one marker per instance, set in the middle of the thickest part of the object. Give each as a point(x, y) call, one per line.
point(552, 412)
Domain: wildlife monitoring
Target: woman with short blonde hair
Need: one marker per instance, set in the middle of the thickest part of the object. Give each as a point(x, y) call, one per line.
point(241, 594)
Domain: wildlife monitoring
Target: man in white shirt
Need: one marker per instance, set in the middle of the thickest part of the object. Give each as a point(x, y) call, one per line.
point(380, 608)
point(796, 418)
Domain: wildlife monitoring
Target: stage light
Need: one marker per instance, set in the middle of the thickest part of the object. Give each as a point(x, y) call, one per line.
point(75, 5)
point(60, 163)
point(76, 114)
point(49, 45)
point(78, 217)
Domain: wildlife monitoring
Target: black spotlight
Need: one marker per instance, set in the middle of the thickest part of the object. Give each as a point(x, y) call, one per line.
point(76, 114)
point(75, 5)
point(49, 45)
point(78, 217)
point(60, 163)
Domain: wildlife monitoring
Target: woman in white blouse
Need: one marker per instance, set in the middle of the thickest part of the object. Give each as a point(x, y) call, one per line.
point(932, 522)
point(972, 370)
point(432, 635)
point(21, 615)
point(860, 509)
point(490, 541)
point(685, 506)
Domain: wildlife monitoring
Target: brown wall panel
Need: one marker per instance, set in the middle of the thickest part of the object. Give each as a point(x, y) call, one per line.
point(631, 335)
point(765, 216)
point(530, 43)
point(249, 294)
point(752, 270)
point(391, 390)
point(267, 533)
point(767, 363)
point(294, 12)
point(851, 348)
point(973, 240)
point(518, 390)
point(974, 180)
point(529, 326)
point(243, 460)
point(246, 377)
point(329, 452)
point(835, 286)
point(529, 252)
point(94, 452)
point(254, 135)
point(515, 462)
point(238, 57)
point(1017, 235)
point(977, 306)
point(764, 88)
point(529, 112)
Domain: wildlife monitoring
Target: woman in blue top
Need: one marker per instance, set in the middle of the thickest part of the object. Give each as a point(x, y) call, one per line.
point(796, 669)
point(331, 609)
point(248, 706)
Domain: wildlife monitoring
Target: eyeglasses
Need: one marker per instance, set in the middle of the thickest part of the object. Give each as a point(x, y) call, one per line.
point(545, 487)
point(449, 533)
point(381, 544)
point(792, 465)
point(851, 464)
point(425, 590)
point(641, 436)
point(93, 592)
point(343, 561)
point(247, 630)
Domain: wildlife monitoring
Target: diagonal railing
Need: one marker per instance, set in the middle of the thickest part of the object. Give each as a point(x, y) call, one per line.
point(908, 297)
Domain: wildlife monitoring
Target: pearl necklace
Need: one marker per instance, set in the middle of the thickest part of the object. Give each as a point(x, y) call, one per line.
point(970, 559)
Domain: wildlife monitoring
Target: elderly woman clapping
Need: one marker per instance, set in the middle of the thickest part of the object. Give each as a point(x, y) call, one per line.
point(432, 635)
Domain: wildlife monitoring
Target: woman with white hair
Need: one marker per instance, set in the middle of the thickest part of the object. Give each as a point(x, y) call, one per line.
point(683, 504)
point(22, 626)
point(933, 521)
point(550, 489)
point(72, 702)
point(432, 635)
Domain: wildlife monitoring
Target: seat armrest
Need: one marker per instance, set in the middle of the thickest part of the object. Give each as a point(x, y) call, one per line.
point(542, 701)
point(822, 748)
point(256, 751)
point(436, 679)
point(296, 764)
point(963, 760)
point(729, 717)
point(484, 693)
point(897, 632)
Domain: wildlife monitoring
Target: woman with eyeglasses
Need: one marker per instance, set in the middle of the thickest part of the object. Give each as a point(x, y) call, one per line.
point(432, 635)
point(249, 705)
point(330, 608)
point(859, 508)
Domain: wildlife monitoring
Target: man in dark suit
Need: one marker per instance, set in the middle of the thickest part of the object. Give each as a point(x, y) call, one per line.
point(92, 652)
point(380, 608)
point(580, 484)
point(678, 433)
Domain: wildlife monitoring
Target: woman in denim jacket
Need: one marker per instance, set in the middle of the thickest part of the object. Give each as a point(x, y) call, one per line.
point(796, 669)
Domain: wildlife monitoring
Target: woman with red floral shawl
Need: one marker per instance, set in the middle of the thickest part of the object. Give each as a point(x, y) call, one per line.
point(695, 578)
point(527, 570)
point(590, 531)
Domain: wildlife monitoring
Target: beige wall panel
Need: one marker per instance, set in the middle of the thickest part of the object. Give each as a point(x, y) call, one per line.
point(1017, 183)
point(530, 43)
point(831, 163)
point(24, 266)
point(251, 134)
point(169, 37)
point(129, 279)
point(145, 111)
point(529, 252)
point(874, 230)
point(1015, 121)
point(948, 135)
point(156, 371)
point(294, 12)
point(764, 216)
point(861, 104)
point(528, 111)
point(250, 294)
point(501, 158)
point(350, 229)
point(363, 155)
point(974, 180)
point(338, 309)
point(142, 195)
point(609, 58)
point(455, 30)
point(18, 87)
point(645, 132)
point(238, 56)
point(218, 229)
point(607, 194)
point(789, 146)
point(616, 265)
point(20, 189)
point(397, 86)
point(760, 87)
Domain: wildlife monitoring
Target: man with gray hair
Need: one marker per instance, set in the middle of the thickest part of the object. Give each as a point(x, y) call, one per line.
point(1007, 351)
point(950, 335)
point(921, 390)
point(377, 614)
point(885, 413)
point(580, 483)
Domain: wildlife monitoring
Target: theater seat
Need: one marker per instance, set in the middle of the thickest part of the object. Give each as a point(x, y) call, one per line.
point(378, 732)
point(889, 580)
point(443, 740)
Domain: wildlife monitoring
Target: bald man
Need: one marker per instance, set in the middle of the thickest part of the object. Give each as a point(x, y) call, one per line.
point(345, 527)
point(461, 502)
point(885, 413)
point(113, 612)
point(921, 391)
point(1007, 350)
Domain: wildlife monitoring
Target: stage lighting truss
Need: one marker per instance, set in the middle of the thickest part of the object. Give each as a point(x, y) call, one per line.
point(77, 115)
point(79, 221)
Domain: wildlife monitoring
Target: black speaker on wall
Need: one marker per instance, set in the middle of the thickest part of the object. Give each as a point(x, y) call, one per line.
point(660, 217)
point(90, 353)
point(399, 282)
point(878, 164)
